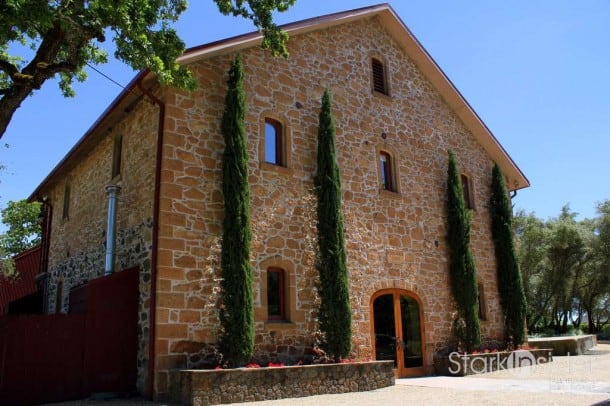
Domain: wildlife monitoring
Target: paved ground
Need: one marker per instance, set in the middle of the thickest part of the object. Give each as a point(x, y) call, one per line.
point(581, 380)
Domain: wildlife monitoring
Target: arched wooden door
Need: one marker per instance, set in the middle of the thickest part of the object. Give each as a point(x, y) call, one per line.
point(398, 331)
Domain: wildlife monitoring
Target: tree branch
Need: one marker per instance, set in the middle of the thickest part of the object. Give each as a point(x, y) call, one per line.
point(8, 67)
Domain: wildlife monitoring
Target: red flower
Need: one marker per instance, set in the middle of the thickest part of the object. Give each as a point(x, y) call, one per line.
point(252, 365)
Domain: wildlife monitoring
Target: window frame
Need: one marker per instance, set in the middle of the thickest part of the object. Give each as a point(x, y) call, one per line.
point(379, 76)
point(66, 203)
point(281, 292)
point(279, 140)
point(467, 191)
point(117, 153)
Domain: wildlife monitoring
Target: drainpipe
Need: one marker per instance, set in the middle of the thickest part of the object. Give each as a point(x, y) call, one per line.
point(45, 242)
point(112, 191)
point(150, 382)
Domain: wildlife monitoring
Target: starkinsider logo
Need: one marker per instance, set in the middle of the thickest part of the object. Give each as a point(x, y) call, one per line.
point(519, 363)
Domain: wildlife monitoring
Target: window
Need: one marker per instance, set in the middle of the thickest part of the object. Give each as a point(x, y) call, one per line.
point(276, 305)
point(386, 171)
point(482, 312)
point(58, 296)
point(66, 211)
point(467, 189)
point(274, 142)
point(116, 156)
point(379, 77)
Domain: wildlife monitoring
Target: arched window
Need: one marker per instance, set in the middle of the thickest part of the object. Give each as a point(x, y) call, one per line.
point(386, 171)
point(380, 83)
point(276, 294)
point(274, 142)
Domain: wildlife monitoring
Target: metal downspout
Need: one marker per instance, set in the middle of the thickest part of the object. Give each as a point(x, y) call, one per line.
point(112, 191)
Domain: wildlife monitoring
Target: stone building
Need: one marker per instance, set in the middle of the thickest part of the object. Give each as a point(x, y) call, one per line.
point(396, 116)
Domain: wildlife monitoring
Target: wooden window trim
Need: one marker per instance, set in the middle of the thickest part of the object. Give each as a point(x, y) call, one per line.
point(281, 293)
point(280, 156)
point(387, 172)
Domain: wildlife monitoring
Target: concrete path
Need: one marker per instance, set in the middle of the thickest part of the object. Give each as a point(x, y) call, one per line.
point(580, 380)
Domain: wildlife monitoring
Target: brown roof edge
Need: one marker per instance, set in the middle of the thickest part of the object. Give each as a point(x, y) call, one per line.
point(459, 104)
point(256, 36)
point(92, 129)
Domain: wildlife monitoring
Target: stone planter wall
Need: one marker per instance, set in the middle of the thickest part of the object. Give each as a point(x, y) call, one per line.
point(573, 345)
point(205, 387)
point(456, 364)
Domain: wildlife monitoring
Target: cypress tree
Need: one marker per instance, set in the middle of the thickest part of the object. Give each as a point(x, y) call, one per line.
point(237, 315)
point(462, 270)
point(512, 296)
point(335, 312)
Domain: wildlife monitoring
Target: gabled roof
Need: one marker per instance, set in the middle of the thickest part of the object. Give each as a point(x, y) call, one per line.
point(395, 27)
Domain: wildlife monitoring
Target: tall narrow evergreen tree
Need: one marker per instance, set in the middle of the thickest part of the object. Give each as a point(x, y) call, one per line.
point(461, 265)
point(335, 311)
point(512, 296)
point(237, 315)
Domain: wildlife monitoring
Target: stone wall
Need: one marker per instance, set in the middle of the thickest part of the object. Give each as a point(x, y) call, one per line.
point(77, 243)
point(197, 387)
point(394, 240)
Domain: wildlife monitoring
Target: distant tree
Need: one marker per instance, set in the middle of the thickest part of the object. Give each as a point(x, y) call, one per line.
point(595, 291)
point(335, 311)
point(510, 286)
point(532, 246)
point(65, 36)
point(462, 269)
point(23, 222)
point(565, 269)
point(237, 314)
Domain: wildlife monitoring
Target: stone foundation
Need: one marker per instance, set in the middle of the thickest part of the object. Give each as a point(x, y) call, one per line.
point(205, 387)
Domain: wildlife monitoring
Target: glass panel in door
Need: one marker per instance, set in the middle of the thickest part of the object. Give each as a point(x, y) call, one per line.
point(385, 328)
point(411, 332)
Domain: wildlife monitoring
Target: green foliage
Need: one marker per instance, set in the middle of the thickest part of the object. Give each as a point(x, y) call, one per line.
point(64, 36)
point(462, 270)
point(335, 311)
point(260, 12)
point(512, 297)
point(23, 222)
point(237, 314)
point(566, 270)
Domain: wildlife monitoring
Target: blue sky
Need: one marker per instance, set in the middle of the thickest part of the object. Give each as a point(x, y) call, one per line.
point(537, 73)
